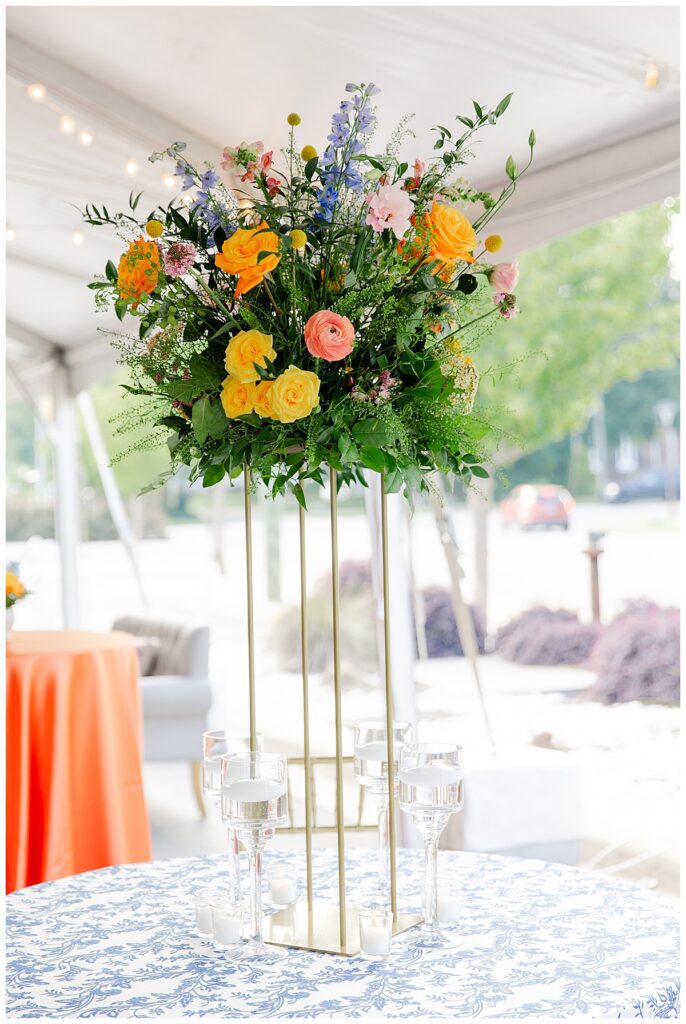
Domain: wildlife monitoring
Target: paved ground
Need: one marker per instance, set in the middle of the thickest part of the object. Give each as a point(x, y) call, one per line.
point(626, 754)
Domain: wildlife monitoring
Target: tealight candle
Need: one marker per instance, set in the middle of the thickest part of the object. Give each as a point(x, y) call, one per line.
point(375, 933)
point(203, 911)
point(227, 922)
point(282, 891)
point(448, 907)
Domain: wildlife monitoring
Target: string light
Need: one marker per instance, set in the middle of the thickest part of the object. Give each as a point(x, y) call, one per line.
point(77, 238)
point(131, 166)
point(86, 137)
point(168, 180)
point(652, 75)
point(67, 125)
point(36, 92)
point(10, 234)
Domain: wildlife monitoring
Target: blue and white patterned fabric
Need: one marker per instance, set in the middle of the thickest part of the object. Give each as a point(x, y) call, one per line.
point(537, 939)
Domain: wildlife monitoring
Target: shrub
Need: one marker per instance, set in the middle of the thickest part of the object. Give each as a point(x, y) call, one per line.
point(637, 657)
point(442, 639)
point(543, 636)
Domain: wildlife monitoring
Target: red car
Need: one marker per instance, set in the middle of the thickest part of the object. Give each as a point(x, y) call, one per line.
point(537, 505)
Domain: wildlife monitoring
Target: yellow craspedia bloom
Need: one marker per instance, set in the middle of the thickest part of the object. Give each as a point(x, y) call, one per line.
point(294, 394)
point(293, 120)
point(244, 350)
point(263, 405)
point(298, 239)
point(154, 228)
point(308, 153)
point(493, 243)
point(237, 398)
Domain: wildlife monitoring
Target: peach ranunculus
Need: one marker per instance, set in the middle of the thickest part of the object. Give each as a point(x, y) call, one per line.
point(139, 270)
point(263, 405)
point(503, 277)
point(329, 336)
point(294, 394)
point(449, 234)
point(244, 350)
point(240, 251)
point(14, 588)
point(237, 397)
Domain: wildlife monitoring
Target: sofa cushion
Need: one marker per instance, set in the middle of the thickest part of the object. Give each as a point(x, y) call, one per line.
point(171, 696)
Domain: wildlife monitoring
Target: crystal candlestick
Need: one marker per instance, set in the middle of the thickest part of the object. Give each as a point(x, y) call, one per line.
point(431, 790)
point(254, 803)
point(371, 771)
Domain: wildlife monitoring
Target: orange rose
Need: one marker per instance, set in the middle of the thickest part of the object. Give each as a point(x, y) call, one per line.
point(139, 270)
point(450, 235)
point(240, 251)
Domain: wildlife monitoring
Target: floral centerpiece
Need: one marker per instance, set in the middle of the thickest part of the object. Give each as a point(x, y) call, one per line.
point(315, 309)
point(14, 591)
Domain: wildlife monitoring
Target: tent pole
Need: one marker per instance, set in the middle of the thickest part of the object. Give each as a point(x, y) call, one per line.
point(67, 512)
point(113, 496)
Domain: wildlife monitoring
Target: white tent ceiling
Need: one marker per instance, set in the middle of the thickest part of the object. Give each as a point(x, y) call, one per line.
point(139, 77)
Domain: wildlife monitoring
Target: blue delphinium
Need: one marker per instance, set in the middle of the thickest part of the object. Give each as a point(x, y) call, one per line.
point(338, 166)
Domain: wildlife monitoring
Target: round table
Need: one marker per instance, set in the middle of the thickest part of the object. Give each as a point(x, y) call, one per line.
point(537, 939)
point(74, 789)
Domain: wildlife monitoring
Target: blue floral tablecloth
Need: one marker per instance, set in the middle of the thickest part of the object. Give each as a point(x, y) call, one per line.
point(537, 939)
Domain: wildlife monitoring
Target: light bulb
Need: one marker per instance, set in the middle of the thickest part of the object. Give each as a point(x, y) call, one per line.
point(77, 238)
point(10, 234)
point(131, 166)
point(85, 137)
point(67, 125)
point(168, 180)
point(36, 91)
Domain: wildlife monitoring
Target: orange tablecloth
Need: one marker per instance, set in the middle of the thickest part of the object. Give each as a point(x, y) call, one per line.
point(74, 789)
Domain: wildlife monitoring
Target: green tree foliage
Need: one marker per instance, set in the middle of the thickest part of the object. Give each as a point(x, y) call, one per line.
point(598, 307)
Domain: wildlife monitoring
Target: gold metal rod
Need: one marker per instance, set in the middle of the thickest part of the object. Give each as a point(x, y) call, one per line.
point(333, 479)
point(389, 696)
point(306, 708)
point(249, 595)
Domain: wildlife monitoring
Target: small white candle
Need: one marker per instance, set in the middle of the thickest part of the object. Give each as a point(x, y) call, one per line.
point(375, 940)
point(203, 918)
point(253, 790)
point(282, 891)
point(448, 907)
point(227, 927)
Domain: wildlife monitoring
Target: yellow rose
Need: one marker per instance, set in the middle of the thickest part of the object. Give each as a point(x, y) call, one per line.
point(450, 235)
point(263, 405)
point(237, 397)
point(240, 251)
point(244, 350)
point(294, 394)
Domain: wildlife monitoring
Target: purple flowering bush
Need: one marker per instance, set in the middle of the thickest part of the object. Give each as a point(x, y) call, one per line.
point(442, 638)
point(542, 636)
point(637, 656)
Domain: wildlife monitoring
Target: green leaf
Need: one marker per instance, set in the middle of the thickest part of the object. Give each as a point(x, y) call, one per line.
point(208, 419)
point(120, 307)
point(372, 458)
point(477, 109)
point(300, 495)
point(465, 120)
point(370, 433)
point(212, 476)
point(311, 167)
point(111, 272)
point(503, 105)
point(480, 472)
point(203, 374)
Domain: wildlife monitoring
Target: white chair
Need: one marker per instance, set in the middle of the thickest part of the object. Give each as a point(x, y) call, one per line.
point(175, 691)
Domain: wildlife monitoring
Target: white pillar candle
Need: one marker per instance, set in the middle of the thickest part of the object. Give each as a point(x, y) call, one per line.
point(375, 940)
point(253, 790)
point(282, 891)
point(431, 775)
point(228, 927)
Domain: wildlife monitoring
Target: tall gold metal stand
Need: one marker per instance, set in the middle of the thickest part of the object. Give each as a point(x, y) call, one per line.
point(314, 924)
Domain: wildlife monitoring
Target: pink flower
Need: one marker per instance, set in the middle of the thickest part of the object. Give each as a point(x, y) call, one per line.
point(250, 171)
point(418, 168)
point(178, 258)
point(390, 207)
point(329, 336)
point(266, 160)
point(504, 276)
point(273, 185)
point(507, 305)
point(240, 156)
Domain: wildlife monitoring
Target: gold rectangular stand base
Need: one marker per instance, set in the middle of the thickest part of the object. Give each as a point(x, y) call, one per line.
point(318, 931)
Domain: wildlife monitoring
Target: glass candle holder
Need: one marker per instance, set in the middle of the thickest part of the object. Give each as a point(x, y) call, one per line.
point(203, 912)
point(448, 905)
point(227, 922)
point(283, 887)
point(376, 930)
